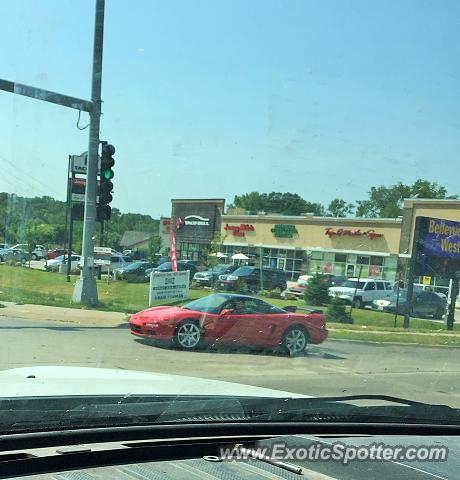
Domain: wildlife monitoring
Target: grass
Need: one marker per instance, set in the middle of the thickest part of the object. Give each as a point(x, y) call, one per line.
point(23, 285)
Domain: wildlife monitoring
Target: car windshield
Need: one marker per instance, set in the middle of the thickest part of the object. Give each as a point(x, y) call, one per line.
point(353, 284)
point(209, 304)
point(164, 266)
point(134, 266)
point(243, 271)
point(283, 168)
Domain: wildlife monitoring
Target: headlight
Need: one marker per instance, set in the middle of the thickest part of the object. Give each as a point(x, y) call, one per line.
point(222, 277)
point(232, 277)
point(382, 303)
point(151, 325)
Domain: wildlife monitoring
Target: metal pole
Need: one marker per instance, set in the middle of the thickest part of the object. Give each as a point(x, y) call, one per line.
point(410, 291)
point(397, 298)
point(69, 263)
point(356, 288)
point(67, 215)
point(261, 272)
point(85, 289)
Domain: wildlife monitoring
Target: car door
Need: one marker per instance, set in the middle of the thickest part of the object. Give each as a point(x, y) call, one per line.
point(370, 292)
point(263, 324)
point(229, 328)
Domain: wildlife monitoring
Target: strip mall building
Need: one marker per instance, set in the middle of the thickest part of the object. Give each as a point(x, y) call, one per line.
point(306, 244)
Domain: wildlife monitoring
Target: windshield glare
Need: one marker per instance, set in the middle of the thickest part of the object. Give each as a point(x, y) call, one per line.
point(244, 187)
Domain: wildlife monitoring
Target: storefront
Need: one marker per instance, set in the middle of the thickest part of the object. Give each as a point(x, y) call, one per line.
point(195, 223)
point(369, 247)
point(308, 244)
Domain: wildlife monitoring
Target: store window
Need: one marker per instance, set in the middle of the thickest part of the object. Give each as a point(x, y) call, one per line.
point(341, 257)
point(363, 260)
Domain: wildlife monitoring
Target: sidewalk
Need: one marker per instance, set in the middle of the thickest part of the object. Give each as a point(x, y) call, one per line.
point(64, 315)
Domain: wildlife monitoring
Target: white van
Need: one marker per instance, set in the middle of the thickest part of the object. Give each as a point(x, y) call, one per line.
point(363, 291)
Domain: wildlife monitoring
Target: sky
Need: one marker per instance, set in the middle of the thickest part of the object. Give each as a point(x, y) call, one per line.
point(209, 99)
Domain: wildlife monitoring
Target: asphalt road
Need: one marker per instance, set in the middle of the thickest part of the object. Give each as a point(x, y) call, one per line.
point(429, 374)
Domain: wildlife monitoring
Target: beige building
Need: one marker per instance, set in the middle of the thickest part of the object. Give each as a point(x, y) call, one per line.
point(341, 246)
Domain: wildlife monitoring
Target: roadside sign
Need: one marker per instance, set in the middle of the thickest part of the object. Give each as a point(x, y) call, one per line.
point(78, 163)
point(426, 280)
point(80, 198)
point(168, 286)
point(103, 250)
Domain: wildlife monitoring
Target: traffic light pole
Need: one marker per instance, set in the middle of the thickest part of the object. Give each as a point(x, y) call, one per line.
point(85, 289)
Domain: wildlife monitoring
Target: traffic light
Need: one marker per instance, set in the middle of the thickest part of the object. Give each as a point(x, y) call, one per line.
point(106, 186)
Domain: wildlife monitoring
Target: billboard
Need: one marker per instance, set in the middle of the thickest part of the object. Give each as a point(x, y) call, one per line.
point(436, 247)
point(196, 221)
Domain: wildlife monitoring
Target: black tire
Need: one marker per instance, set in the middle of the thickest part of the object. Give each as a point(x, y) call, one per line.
point(439, 314)
point(34, 257)
point(358, 302)
point(295, 340)
point(188, 335)
point(23, 261)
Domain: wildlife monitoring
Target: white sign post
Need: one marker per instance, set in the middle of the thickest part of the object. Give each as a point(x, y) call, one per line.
point(169, 286)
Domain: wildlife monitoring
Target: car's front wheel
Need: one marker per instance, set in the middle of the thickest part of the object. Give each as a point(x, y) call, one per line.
point(439, 314)
point(34, 257)
point(295, 340)
point(358, 302)
point(188, 335)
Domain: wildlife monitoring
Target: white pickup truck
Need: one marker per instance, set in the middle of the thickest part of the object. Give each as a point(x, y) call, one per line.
point(363, 291)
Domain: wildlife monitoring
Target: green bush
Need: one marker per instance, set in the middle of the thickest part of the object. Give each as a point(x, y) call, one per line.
point(336, 311)
point(316, 292)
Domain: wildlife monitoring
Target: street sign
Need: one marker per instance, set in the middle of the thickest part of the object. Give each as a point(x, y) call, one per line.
point(80, 198)
point(102, 250)
point(426, 280)
point(169, 285)
point(78, 163)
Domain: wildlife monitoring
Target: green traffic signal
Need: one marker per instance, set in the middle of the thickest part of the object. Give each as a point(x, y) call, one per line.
point(108, 174)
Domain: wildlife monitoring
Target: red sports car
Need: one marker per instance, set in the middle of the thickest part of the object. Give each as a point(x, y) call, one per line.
point(223, 318)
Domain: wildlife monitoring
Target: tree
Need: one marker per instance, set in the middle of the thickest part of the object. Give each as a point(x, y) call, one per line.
point(387, 202)
point(155, 244)
point(336, 311)
point(277, 202)
point(210, 255)
point(316, 291)
point(339, 208)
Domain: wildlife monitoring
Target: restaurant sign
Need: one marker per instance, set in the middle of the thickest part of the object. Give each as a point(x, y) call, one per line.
point(239, 230)
point(342, 232)
point(284, 231)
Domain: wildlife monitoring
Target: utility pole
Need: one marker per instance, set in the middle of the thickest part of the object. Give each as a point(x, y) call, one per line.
point(85, 289)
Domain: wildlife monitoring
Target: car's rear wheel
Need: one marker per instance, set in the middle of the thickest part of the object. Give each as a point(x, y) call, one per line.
point(34, 257)
point(295, 340)
point(188, 335)
point(439, 314)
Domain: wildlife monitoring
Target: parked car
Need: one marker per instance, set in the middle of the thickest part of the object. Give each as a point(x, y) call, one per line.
point(297, 289)
point(54, 264)
point(38, 253)
point(210, 277)
point(132, 272)
point(57, 252)
point(14, 254)
point(182, 265)
point(3, 246)
point(248, 277)
point(363, 291)
point(424, 304)
point(224, 318)
point(112, 263)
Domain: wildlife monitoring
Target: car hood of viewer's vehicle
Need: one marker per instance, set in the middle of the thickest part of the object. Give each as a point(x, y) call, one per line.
point(59, 380)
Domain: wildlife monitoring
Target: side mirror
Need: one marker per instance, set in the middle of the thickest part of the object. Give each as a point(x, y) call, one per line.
point(226, 311)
